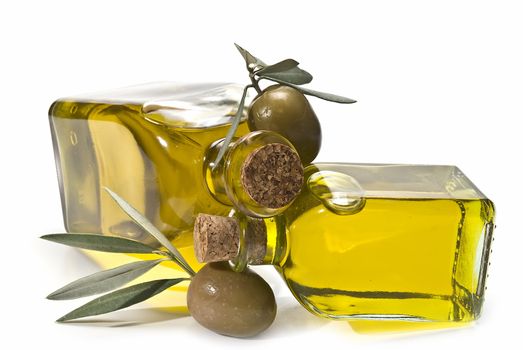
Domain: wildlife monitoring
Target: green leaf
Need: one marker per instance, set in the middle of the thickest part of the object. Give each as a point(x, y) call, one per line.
point(104, 281)
point(281, 66)
point(253, 63)
point(232, 129)
point(144, 223)
point(121, 298)
point(286, 70)
point(294, 75)
point(100, 242)
point(322, 95)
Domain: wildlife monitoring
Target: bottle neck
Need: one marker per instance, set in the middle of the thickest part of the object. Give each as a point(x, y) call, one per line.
point(249, 177)
point(214, 173)
point(261, 241)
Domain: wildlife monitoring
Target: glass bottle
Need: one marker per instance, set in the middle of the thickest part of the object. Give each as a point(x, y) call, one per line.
point(402, 242)
point(154, 145)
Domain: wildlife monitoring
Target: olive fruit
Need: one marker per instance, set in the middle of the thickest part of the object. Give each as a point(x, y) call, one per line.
point(287, 111)
point(238, 304)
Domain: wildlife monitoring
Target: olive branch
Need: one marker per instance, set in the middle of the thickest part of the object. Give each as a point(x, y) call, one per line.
point(109, 280)
point(285, 72)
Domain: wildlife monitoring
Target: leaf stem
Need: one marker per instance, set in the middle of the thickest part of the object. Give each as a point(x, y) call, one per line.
point(254, 83)
point(163, 253)
point(187, 268)
point(144, 223)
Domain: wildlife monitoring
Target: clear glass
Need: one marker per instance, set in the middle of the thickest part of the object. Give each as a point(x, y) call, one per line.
point(403, 242)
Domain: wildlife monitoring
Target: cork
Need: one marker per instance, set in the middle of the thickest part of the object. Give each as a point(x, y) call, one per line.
point(217, 238)
point(272, 175)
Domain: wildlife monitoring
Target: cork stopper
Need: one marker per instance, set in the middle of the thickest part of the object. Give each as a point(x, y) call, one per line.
point(272, 175)
point(217, 238)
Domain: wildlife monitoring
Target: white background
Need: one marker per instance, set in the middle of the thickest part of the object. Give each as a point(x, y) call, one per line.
point(437, 82)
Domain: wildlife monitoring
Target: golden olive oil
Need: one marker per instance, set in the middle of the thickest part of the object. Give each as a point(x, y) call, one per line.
point(381, 242)
point(401, 258)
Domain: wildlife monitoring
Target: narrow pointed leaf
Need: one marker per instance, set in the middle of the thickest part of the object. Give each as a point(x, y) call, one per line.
point(253, 63)
point(144, 223)
point(281, 66)
point(286, 70)
point(322, 95)
point(232, 129)
point(294, 75)
point(104, 281)
point(100, 243)
point(121, 298)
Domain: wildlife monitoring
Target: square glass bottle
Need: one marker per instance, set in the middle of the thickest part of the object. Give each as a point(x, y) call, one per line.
point(368, 241)
point(148, 144)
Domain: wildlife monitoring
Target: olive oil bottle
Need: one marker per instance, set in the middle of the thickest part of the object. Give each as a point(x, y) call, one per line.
point(403, 242)
point(154, 145)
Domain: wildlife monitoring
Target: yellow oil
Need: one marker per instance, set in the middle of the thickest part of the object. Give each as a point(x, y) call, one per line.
point(401, 259)
point(155, 167)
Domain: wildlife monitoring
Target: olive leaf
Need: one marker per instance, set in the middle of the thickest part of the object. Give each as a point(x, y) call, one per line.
point(233, 127)
point(286, 70)
point(294, 75)
point(121, 298)
point(100, 243)
point(253, 63)
point(322, 95)
point(281, 66)
point(104, 281)
point(145, 224)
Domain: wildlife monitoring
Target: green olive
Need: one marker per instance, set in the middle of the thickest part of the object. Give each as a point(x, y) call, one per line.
point(237, 304)
point(285, 110)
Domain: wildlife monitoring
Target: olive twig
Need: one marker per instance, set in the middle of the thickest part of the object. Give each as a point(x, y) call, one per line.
point(254, 83)
point(110, 280)
point(162, 253)
point(233, 128)
point(146, 225)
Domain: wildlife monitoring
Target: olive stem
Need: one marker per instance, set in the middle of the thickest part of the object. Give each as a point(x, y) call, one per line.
point(254, 84)
point(232, 129)
point(187, 269)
